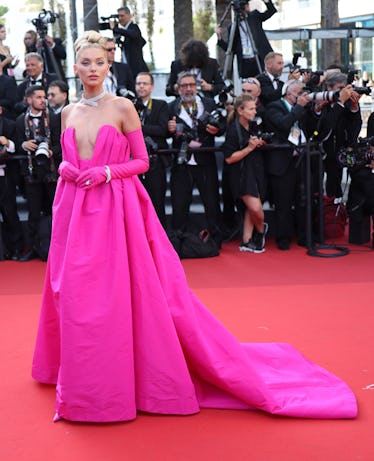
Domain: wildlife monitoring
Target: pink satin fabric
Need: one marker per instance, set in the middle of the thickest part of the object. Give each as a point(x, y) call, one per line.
point(120, 331)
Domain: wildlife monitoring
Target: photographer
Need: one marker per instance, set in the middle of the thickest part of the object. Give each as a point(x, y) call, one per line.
point(289, 119)
point(361, 189)
point(339, 124)
point(37, 134)
point(245, 168)
point(242, 45)
point(12, 230)
point(119, 80)
point(191, 125)
point(50, 48)
point(129, 38)
point(154, 117)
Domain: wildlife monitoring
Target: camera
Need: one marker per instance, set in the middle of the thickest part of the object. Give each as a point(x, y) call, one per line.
point(226, 95)
point(44, 18)
point(320, 96)
point(352, 75)
point(362, 90)
point(43, 147)
point(215, 118)
point(266, 136)
point(181, 134)
point(125, 93)
point(105, 24)
point(359, 156)
point(238, 5)
point(152, 148)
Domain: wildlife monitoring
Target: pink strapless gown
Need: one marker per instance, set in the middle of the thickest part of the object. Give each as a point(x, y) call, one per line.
point(120, 331)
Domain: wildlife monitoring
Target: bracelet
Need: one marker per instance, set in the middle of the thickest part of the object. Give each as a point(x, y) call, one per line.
point(108, 173)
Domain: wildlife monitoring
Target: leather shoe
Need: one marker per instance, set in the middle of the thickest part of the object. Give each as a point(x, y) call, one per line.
point(28, 256)
point(283, 244)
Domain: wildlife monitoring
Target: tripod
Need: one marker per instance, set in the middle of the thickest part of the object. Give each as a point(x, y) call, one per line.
point(239, 20)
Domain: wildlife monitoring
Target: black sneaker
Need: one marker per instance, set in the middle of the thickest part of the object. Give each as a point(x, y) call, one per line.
point(259, 237)
point(251, 247)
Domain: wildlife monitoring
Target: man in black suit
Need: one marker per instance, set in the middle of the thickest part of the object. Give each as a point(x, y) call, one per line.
point(188, 125)
point(11, 229)
point(242, 45)
point(339, 126)
point(119, 79)
point(154, 116)
point(288, 118)
point(8, 95)
point(37, 135)
point(35, 75)
point(131, 41)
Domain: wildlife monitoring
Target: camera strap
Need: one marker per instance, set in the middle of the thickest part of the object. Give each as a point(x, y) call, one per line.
point(31, 130)
point(145, 111)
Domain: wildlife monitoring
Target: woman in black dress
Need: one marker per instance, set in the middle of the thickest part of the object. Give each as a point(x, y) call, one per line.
point(246, 172)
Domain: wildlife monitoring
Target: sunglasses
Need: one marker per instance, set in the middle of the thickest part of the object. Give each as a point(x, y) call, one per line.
point(110, 49)
point(249, 80)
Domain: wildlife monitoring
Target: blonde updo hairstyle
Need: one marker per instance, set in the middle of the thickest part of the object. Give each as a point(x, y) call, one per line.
point(89, 39)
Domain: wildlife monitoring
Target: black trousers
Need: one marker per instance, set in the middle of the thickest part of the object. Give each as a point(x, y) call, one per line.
point(39, 196)
point(12, 229)
point(154, 180)
point(287, 192)
point(362, 186)
point(183, 178)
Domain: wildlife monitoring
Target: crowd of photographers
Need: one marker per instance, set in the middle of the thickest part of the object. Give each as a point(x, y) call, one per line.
point(265, 130)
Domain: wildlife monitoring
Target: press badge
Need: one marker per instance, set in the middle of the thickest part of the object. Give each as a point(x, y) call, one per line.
point(296, 136)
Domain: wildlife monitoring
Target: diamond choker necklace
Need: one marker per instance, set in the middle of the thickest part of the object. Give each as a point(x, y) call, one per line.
point(93, 101)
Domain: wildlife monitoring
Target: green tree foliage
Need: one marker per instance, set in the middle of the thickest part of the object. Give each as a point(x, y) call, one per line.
point(204, 23)
point(150, 28)
point(3, 11)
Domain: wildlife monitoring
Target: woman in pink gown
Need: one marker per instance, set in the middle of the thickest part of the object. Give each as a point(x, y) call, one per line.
point(119, 330)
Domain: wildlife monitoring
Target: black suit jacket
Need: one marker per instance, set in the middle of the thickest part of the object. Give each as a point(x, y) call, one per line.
point(268, 92)
point(7, 129)
point(123, 74)
point(210, 73)
point(55, 145)
point(21, 104)
point(339, 127)
point(280, 121)
point(254, 19)
point(132, 44)
point(155, 123)
point(8, 95)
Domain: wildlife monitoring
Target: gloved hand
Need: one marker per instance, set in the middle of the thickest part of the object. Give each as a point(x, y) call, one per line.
point(91, 177)
point(68, 171)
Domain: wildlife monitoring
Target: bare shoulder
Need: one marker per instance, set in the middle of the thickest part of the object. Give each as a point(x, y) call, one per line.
point(126, 110)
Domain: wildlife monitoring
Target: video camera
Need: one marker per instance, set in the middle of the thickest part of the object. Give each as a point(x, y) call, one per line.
point(238, 5)
point(105, 24)
point(44, 18)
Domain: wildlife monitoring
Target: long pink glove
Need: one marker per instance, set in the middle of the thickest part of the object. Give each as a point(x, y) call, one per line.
point(68, 171)
point(139, 164)
point(140, 161)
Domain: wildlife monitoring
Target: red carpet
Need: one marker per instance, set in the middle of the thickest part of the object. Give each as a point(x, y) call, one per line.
point(322, 306)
